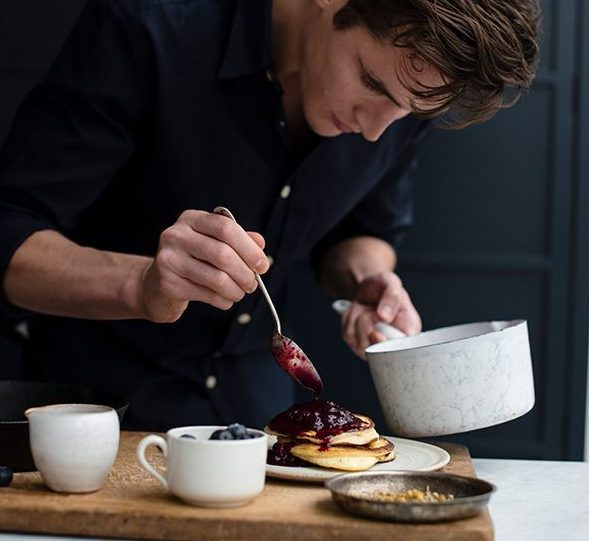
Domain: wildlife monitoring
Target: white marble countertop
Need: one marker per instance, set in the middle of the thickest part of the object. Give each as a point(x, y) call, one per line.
point(538, 500)
point(535, 501)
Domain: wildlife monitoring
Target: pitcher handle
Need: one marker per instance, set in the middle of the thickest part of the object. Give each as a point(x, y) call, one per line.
point(159, 442)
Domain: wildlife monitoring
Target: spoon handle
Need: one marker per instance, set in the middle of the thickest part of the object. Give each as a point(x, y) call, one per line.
point(270, 303)
point(226, 212)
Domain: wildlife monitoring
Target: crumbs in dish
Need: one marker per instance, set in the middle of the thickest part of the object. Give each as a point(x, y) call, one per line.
point(411, 496)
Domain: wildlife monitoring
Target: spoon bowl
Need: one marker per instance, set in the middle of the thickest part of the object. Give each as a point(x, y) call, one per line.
point(292, 359)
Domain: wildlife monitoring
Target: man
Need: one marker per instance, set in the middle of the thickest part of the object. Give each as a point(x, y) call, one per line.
point(303, 118)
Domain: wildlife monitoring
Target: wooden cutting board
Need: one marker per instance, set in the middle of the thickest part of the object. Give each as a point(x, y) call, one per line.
point(133, 505)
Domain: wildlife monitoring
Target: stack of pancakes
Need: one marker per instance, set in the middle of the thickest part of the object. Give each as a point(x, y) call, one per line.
point(350, 450)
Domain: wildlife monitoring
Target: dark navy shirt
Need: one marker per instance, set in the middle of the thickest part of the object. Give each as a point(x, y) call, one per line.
point(158, 106)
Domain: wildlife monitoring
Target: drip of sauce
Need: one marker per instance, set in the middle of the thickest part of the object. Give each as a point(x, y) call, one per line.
point(280, 455)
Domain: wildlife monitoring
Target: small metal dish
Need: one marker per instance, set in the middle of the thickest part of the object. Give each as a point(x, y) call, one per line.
point(357, 493)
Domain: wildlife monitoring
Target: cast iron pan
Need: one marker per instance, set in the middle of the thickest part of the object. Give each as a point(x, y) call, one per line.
point(18, 396)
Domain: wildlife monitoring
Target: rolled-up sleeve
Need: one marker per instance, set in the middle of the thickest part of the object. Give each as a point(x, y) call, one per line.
point(76, 129)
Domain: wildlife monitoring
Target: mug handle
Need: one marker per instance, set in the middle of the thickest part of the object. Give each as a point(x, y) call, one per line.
point(160, 442)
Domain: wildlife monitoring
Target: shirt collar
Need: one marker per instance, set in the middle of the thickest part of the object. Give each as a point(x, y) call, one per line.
point(249, 47)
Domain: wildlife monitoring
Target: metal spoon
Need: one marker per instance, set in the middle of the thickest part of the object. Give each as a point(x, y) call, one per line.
point(289, 356)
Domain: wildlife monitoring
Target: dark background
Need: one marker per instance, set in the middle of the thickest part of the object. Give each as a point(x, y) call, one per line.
point(502, 230)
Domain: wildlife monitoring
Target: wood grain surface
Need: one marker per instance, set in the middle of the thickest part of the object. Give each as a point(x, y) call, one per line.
point(133, 505)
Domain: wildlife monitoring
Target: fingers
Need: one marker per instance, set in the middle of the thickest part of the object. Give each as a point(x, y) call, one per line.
point(226, 231)
point(407, 319)
point(202, 273)
point(226, 247)
point(375, 337)
point(385, 291)
point(191, 253)
point(392, 297)
point(203, 257)
point(177, 287)
point(258, 239)
point(380, 298)
point(357, 325)
point(397, 309)
point(164, 295)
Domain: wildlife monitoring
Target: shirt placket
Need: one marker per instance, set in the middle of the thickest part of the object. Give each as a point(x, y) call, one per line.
point(250, 306)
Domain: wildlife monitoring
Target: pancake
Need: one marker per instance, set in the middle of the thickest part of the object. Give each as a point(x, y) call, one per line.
point(323, 433)
point(361, 436)
point(386, 447)
point(345, 457)
point(344, 463)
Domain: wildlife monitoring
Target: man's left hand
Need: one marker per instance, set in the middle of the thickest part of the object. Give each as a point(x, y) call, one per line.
point(379, 298)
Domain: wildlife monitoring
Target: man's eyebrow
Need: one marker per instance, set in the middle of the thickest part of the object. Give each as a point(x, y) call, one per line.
point(379, 85)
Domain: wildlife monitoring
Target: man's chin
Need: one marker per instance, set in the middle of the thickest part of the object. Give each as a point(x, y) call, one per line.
point(319, 124)
point(323, 129)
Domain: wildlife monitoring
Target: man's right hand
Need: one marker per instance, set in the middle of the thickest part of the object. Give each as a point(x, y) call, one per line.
point(203, 257)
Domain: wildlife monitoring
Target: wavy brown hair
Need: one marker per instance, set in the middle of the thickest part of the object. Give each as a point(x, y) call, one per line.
point(485, 50)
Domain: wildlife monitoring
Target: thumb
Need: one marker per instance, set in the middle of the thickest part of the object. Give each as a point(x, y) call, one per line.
point(387, 307)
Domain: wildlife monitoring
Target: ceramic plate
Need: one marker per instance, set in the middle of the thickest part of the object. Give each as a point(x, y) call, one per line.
point(410, 456)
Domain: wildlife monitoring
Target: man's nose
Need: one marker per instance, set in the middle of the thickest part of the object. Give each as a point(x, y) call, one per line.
point(378, 118)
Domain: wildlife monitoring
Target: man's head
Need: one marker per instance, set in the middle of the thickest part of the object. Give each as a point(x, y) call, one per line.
point(368, 63)
point(485, 50)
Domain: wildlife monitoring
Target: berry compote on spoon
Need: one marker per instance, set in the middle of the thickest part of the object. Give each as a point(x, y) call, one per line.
point(290, 357)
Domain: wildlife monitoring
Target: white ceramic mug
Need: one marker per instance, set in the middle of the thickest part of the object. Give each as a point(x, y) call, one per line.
point(209, 473)
point(74, 445)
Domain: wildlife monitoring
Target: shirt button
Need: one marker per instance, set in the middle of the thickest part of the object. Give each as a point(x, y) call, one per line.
point(244, 318)
point(269, 76)
point(211, 382)
point(270, 260)
point(285, 192)
point(282, 124)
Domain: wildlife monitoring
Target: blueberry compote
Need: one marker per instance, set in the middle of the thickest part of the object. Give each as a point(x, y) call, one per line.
point(280, 455)
point(323, 417)
point(293, 361)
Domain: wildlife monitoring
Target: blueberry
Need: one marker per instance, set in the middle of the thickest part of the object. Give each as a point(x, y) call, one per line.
point(222, 434)
point(5, 476)
point(235, 431)
point(238, 430)
point(188, 436)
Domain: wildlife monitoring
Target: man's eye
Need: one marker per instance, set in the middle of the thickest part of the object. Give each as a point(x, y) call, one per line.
point(371, 84)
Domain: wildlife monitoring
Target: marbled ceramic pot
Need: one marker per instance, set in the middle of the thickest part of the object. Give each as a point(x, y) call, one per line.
point(454, 379)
